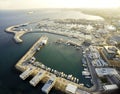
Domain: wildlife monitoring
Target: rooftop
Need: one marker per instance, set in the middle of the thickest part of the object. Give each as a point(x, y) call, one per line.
point(71, 88)
point(110, 87)
point(106, 71)
point(112, 49)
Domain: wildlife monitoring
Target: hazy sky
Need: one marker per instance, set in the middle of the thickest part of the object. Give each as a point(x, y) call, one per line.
point(28, 4)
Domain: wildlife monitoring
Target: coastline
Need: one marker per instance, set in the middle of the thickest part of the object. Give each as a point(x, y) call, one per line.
point(20, 33)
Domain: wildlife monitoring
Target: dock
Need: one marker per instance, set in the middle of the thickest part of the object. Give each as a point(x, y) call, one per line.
point(49, 84)
point(30, 53)
point(27, 73)
point(36, 79)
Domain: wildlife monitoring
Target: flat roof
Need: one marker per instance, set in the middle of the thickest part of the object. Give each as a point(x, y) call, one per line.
point(112, 49)
point(110, 87)
point(105, 71)
point(71, 88)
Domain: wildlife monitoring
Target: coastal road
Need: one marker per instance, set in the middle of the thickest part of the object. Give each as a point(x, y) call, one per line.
point(96, 81)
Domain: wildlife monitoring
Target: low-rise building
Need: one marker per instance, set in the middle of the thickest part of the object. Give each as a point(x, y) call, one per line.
point(110, 87)
point(111, 54)
point(71, 89)
point(110, 51)
point(106, 71)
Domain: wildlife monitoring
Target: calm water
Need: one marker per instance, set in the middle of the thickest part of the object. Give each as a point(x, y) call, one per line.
point(62, 58)
point(10, 53)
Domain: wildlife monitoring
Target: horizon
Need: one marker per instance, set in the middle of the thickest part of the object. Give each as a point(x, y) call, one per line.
point(39, 4)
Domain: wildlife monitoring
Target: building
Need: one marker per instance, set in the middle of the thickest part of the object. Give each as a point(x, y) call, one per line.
point(105, 71)
point(43, 42)
point(71, 89)
point(111, 52)
point(111, 28)
point(110, 87)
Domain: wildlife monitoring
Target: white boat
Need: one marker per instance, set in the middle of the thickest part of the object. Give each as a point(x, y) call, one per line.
point(87, 76)
point(85, 73)
point(85, 69)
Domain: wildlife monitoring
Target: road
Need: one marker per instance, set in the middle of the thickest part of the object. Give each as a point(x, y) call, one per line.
point(95, 80)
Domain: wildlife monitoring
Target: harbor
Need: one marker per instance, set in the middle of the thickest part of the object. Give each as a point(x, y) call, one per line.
point(59, 59)
point(27, 66)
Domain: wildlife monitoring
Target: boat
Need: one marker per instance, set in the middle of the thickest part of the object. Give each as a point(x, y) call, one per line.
point(84, 65)
point(83, 61)
point(87, 85)
point(85, 69)
point(77, 80)
point(87, 76)
point(77, 48)
point(85, 73)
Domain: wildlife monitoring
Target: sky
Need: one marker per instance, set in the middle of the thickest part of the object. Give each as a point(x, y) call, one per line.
point(30, 4)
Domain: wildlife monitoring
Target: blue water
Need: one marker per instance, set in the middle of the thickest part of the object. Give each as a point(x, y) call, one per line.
point(10, 52)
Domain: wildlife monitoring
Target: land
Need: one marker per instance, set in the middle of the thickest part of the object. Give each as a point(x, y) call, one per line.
point(93, 36)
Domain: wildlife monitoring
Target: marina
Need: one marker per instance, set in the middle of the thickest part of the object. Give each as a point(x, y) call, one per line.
point(69, 79)
point(50, 78)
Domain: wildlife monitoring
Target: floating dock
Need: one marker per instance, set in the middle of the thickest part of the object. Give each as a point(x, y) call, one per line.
point(37, 78)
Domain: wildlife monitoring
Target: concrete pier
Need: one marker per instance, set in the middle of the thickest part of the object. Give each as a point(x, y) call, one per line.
point(49, 84)
point(27, 73)
point(37, 78)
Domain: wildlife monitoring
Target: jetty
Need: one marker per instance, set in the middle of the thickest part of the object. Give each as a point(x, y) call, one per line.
point(49, 84)
point(37, 78)
point(27, 73)
point(17, 34)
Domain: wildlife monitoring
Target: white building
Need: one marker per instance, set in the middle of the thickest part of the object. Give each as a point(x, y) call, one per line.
point(110, 51)
point(110, 87)
point(106, 71)
point(111, 28)
point(71, 88)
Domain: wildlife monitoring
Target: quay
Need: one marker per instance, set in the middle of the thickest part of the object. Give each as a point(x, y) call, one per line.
point(26, 65)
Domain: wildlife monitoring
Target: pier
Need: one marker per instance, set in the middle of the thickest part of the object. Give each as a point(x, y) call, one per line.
point(27, 73)
point(37, 78)
point(49, 84)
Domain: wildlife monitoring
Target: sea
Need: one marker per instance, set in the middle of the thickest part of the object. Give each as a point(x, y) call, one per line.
point(57, 56)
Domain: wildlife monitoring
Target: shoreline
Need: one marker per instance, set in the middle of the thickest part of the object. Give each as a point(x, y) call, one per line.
point(20, 33)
